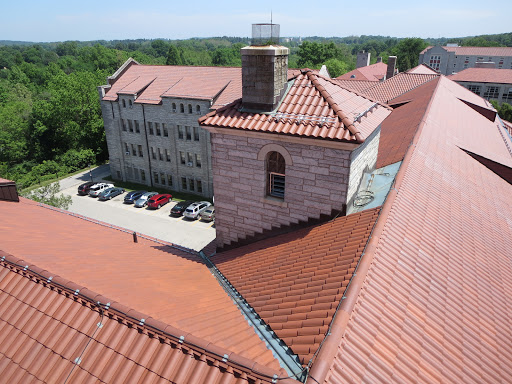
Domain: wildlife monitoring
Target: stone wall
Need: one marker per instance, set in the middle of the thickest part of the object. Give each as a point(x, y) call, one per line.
point(141, 166)
point(316, 183)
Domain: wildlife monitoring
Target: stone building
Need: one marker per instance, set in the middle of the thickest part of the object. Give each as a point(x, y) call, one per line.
point(290, 159)
point(150, 115)
point(490, 83)
point(452, 58)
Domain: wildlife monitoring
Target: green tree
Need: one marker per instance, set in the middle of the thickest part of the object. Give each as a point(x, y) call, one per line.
point(49, 195)
point(407, 52)
point(336, 67)
point(504, 110)
point(174, 55)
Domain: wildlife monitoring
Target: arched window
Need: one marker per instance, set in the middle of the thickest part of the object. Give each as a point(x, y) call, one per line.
point(174, 107)
point(182, 108)
point(198, 109)
point(276, 167)
point(190, 108)
point(124, 103)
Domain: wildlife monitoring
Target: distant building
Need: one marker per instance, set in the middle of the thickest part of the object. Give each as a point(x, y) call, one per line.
point(374, 72)
point(452, 59)
point(490, 83)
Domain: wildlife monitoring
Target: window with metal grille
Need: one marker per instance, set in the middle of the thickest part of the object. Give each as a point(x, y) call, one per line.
point(475, 89)
point(435, 62)
point(276, 167)
point(491, 92)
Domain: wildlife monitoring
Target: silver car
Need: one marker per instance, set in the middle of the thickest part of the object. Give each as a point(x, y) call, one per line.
point(194, 209)
point(96, 189)
point(143, 200)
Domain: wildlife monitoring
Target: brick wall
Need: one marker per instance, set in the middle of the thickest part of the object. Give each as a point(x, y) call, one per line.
point(316, 183)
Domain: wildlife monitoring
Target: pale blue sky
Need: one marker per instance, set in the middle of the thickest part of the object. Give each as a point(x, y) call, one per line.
point(56, 20)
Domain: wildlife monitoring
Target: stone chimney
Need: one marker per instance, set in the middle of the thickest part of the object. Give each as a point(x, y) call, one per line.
point(363, 59)
point(391, 67)
point(264, 69)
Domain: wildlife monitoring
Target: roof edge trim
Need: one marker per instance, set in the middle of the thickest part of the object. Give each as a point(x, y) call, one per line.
point(322, 365)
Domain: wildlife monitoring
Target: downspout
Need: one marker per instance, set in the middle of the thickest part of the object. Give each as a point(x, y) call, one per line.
point(147, 147)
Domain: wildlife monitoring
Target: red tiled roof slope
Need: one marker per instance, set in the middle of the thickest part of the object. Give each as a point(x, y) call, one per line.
point(355, 85)
point(374, 72)
point(165, 283)
point(295, 281)
point(313, 107)
point(484, 75)
point(436, 303)
point(45, 328)
point(474, 51)
point(422, 69)
point(399, 128)
point(397, 85)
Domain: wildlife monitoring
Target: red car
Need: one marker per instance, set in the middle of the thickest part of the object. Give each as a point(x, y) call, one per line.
point(158, 200)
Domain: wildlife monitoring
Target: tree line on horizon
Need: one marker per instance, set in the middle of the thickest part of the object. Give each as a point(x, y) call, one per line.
point(50, 116)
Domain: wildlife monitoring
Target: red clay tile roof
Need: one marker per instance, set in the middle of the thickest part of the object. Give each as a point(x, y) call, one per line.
point(314, 107)
point(46, 326)
point(374, 72)
point(152, 82)
point(397, 85)
point(399, 128)
point(484, 75)
point(477, 51)
point(355, 85)
point(508, 126)
point(422, 69)
point(295, 281)
point(170, 285)
point(431, 299)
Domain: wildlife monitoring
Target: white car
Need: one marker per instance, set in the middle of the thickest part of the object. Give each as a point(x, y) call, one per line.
point(194, 209)
point(98, 188)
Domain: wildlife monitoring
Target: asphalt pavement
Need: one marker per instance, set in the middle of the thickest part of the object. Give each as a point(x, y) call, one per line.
point(155, 223)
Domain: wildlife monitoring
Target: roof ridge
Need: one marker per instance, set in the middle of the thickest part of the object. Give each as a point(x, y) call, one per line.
point(139, 320)
point(335, 107)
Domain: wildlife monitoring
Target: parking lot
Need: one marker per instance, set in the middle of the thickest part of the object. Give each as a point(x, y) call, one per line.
point(156, 223)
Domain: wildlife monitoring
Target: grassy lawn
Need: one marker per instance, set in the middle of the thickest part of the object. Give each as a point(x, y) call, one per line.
point(176, 196)
point(50, 181)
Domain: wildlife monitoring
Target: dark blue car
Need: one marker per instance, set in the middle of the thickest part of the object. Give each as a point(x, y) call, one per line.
point(132, 196)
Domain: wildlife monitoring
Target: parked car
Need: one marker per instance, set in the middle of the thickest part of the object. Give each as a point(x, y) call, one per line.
point(143, 199)
point(208, 214)
point(132, 196)
point(194, 209)
point(83, 189)
point(98, 188)
point(180, 207)
point(109, 193)
point(157, 201)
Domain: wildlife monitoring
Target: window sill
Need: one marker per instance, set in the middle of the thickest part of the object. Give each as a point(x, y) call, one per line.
point(274, 201)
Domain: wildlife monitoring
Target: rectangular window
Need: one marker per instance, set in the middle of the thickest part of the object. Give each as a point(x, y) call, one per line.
point(137, 129)
point(157, 129)
point(164, 128)
point(435, 62)
point(134, 150)
point(182, 157)
point(155, 177)
point(167, 155)
point(191, 184)
point(199, 186)
point(140, 151)
point(162, 178)
point(153, 155)
point(142, 175)
point(118, 174)
point(276, 185)
point(136, 173)
point(130, 126)
point(123, 122)
point(180, 132)
point(507, 96)
point(475, 89)
point(184, 183)
point(196, 133)
point(129, 172)
point(190, 159)
point(126, 149)
point(189, 133)
point(160, 155)
point(169, 180)
point(198, 161)
point(491, 92)
point(150, 127)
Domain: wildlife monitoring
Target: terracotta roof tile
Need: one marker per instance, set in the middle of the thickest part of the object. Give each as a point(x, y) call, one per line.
point(484, 75)
point(110, 263)
point(397, 85)
point(433, 305)
point(64, 327)
point(422, 69)
point(300, 306)
point(477, 51)
point(355, 85)
point(374, 72)
point(314, 106)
